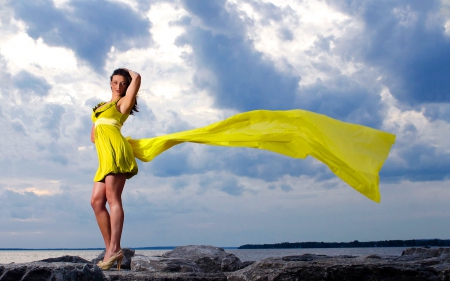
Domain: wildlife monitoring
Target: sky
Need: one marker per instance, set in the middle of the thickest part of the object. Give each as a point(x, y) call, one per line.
point(379, 63)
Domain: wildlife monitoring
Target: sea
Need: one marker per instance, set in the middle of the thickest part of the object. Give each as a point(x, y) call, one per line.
point(24, 256)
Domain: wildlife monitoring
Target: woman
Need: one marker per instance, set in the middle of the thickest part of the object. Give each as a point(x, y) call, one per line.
point(116, 160)
point(353, 152)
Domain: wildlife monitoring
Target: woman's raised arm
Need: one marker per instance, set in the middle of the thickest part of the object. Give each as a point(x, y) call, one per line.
point(127, 102)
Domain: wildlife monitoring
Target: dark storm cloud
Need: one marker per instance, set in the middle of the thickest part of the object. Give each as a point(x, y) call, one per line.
point(227, 184)
point(264, 165)
point(423, 163)
point(344, 98)
point(416, 161)
point(170, 163)
point(243, 162)
point(28, 205)
point(243, 80)
point(231, 186)
point(211, 13)
point(29, 83)
point(405, 40)
point(90, 28)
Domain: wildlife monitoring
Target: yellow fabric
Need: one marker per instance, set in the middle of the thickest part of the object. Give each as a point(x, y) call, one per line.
point(115, 155)
point(353, 152)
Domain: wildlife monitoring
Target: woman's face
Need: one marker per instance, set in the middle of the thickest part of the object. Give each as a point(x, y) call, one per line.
point(118, 84)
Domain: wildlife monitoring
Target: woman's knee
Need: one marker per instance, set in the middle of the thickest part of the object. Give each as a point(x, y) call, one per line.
point(114, 201)
point(98, 203)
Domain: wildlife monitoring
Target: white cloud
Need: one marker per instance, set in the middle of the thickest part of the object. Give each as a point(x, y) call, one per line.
point(430, 133)
point(445, 11)
point(307, 21)
point(22, 52)
point(406, 16)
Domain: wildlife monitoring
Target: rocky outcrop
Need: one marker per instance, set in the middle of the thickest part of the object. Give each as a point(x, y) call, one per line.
point(72, 259)
point(162, 276)
point(54, 271)
point(159, 264)
point(208, 258)
point(414, 265)
point(425, 253)
point(207, 263)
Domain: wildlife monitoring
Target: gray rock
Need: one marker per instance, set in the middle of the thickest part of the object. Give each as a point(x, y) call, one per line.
point(426, 256)
point(45, 271)
point(72, 259)
point(328, 268)
point(208, 258)
point(414, 265)
point(230, 263)
point(126, 262)
point(247, 263)
point(306, 257)
point(125, 275)
point(426, 252)
point(158, 264)
point(373, 257)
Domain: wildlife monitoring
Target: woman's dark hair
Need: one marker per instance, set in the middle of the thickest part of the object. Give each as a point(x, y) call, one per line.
point(124, 73)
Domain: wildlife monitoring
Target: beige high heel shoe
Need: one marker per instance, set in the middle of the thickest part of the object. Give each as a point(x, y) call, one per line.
point(108, 264)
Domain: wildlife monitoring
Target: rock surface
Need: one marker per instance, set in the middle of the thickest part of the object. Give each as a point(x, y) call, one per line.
point(202, 262)
point(414, 265)
point(72, 259)
point(158, 264)
point(162, 276)
point(208, 258)
point(54, 271)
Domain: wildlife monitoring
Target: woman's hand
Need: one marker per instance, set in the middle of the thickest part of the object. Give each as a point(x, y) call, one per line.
point(127, 102)
point(93, 133)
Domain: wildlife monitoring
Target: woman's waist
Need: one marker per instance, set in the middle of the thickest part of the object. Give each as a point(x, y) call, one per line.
point(108, 121)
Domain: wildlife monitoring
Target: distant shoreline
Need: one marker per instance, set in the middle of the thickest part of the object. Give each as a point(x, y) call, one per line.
point(354, 244)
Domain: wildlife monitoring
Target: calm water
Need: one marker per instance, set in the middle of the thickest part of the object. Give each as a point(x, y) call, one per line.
point(244, 255)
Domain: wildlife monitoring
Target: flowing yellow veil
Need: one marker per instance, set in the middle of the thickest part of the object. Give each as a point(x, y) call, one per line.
point(354, 153)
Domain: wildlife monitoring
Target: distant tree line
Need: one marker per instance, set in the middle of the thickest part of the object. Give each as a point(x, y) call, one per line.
point(354, 244)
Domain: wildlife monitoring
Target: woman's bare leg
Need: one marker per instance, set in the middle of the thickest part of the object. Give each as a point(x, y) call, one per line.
point(114, 187)
point(98, 203)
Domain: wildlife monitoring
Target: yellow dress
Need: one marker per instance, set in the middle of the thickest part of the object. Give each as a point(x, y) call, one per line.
point(115, 154)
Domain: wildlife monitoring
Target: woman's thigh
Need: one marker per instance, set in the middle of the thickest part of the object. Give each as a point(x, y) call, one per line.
point(114, 184)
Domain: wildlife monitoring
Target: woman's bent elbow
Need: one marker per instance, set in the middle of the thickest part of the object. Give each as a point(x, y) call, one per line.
point(137, 79)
